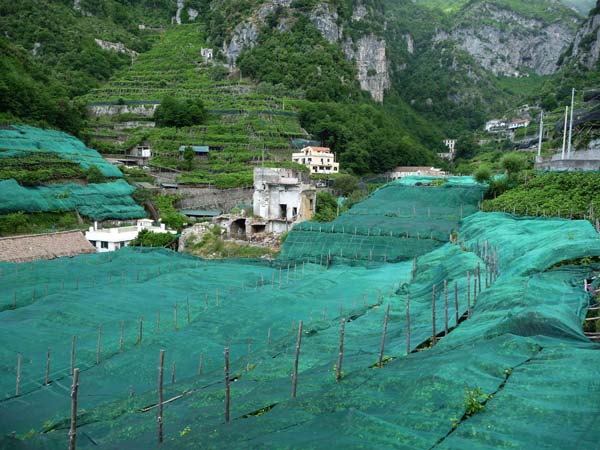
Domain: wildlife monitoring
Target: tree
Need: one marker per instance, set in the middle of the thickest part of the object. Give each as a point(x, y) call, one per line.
point(512, 164)
point(188, 156)
point(146, 238)
point(326, 207)
point(483, 174)
point(94, 175)
point(345, 184)
point(174, 113)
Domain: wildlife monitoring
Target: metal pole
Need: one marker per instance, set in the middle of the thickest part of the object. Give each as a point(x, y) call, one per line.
point(565, 132)
point(541, 134)
point(571, 123)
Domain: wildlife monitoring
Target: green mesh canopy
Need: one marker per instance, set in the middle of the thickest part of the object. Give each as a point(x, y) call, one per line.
point(97, 201)
point(512, 367)
point(19, 139)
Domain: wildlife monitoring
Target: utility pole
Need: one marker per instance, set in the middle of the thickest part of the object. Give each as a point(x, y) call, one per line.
point(541, 135)
point(565, 132)
point(571, 123)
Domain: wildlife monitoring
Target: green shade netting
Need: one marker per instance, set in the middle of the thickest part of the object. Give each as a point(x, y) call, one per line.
point(523, 343)
point(97, 201)
point(19, 140)
point(397, 222)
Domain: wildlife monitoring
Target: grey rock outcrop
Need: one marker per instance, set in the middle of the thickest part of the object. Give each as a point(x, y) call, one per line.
point(244, 37)
point(586, 45)
point(118, 47)
point(326, 21)
point(508, 43)
point(369, 52)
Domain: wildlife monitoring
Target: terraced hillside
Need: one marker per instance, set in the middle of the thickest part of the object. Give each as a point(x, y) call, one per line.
point(246, 122)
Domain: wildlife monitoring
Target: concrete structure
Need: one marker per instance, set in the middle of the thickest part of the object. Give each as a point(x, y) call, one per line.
point(317, 159)
point(580, 161)
point(141, 152)
point(451, 153)
point(34, 247)
point(207, 54)
point(495, 125)
point(282, 197)
point(409, 171)
point(111, 239)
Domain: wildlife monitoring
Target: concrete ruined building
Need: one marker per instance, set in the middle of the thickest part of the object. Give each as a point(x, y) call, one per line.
point(282, 197)
point(451, 153)
point(317, 159)
point(207, 54)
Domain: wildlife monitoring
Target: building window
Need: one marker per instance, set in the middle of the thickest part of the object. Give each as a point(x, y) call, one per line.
point(282, 211)
point(294, 212)
point(103, 244)
point(93, 243)
point(335, 169)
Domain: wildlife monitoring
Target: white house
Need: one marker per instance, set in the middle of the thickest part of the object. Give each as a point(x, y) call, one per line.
point(317, 159)
point(518, 123)
point(282, 197)
point(495, 125)
point(410, 171)
point(111, 239)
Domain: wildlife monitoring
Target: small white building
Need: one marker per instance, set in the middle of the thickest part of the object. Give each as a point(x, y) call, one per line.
point(282, 197)
point(451, 153)
point(111, 239)
point(207, 54)
point(518, 123)
point(411, 171)
point(317, 159)
point(495, 125)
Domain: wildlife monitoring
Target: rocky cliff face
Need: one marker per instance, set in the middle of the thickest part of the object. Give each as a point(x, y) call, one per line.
point(368, 51)
point(586, 45)
point(506, 43)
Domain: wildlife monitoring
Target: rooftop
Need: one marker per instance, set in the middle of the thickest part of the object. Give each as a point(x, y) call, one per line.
point(44, 246)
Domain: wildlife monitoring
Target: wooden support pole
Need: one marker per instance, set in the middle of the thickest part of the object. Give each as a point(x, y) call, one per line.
point(173, 373)
point(269, 336)
point(338, 375)
point(175, 317)
point(72, 354)
point(158, 320)
point(47, 378)
point(189, 318)
point(14, 299)
point(475, 289)
point(456, 313)
point(98, 351)
point(217, 296)
point(161, 367)
point(385, 324)
point(414, 269)
point(205, 302)
point(295, 376)
point(73, 429)
point(468, 294)
point(445, 307)
point(478, 279)
point(407, 324)
point(227, 387)
point(200, 364)
point(121, 338)
point(19, 359)
point(433, 329)
point(141, 330)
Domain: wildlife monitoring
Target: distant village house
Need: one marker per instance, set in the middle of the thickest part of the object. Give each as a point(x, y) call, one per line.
point(111, 239)
point(451, 153)
point(411, 171)
point(200, 151)
point(317, 159)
